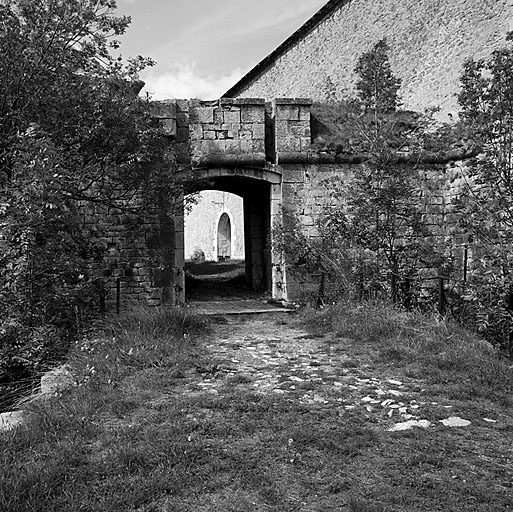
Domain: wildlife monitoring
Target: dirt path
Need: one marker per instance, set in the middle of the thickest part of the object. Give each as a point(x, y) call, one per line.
point(270, 355)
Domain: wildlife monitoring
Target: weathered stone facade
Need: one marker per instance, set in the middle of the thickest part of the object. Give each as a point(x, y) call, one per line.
point(136, 255)
point(260, 149)
point(429, 41)
point(261, 152)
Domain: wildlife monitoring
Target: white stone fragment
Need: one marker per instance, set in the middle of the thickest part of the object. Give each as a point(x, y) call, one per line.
point(488, 420)
point(10, 420)
point(455, 422)
point(395, 382)
point(367, 399)
point(56, 381)
point(408, 425)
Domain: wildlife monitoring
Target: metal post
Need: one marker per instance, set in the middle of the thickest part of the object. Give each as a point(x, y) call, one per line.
point(407, 293)
point(118, 295)
point(465, 264)
point(101, 290)
point(393, 285)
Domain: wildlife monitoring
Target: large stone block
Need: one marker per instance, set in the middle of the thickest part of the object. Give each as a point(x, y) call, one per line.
point(232, 116)
point(253, 114)
point(288, 144)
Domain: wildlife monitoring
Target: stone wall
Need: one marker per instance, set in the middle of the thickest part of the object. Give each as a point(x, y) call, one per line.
point(261, 152)
point(429, 40)
point(136, 254)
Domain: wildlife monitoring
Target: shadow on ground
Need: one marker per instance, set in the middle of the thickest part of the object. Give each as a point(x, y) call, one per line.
point(213, 281)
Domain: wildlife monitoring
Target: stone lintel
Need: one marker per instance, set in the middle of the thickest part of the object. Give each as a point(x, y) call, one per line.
point(268, 174)
point(242, 101)
point(293, 101)
point(217, 160)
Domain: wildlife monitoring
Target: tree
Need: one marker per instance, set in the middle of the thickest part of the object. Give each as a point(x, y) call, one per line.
point(377, 86)
point(73, 132)
point(485, 203)
point(380, 219)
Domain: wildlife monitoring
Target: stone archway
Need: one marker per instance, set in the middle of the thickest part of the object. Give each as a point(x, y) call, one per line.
point(261, 192)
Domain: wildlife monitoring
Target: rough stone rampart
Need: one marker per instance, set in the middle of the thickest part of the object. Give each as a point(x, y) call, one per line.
point(270, 163)
point(429, 40)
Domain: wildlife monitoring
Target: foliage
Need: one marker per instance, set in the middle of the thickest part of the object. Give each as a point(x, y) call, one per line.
point(485, 203)
point(27, 351)
point(380, 220)
point(377, 86)
point(73, 135)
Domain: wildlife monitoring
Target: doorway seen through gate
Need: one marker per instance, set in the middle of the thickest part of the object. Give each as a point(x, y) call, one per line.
point(224, 238)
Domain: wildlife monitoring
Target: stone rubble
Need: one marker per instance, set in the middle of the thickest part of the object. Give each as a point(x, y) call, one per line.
point(311, 372)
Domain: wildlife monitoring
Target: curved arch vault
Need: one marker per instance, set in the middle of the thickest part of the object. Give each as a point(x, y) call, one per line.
point(261, 192)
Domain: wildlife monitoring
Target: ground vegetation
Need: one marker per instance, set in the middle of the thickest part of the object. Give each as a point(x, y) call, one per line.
point(161, 418)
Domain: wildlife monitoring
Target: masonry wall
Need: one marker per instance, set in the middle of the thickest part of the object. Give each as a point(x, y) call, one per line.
point(135, 254)
point(429, 40)
point(265, 156)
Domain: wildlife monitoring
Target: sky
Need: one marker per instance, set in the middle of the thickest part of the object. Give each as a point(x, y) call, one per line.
point(203, 47)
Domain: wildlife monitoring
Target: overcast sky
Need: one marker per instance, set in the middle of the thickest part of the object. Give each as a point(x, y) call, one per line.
point(203, 47)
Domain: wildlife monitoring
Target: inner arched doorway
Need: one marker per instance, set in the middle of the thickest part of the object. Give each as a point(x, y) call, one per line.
point(224, 238)
point(261, 194)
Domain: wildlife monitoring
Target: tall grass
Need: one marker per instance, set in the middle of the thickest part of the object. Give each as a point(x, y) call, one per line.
point(52, 461)
point(427, 346)
point(140, 338)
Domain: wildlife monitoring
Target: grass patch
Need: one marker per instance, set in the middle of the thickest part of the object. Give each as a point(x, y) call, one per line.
point(138, 434)
point(439, 350)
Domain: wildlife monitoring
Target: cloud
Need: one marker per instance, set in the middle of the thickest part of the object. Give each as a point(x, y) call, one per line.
point(186, 82)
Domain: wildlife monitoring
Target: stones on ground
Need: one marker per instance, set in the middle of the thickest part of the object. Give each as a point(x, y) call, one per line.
point(306, 372)
point(11, 420)
point(408, 425)
point(455, 422)
point(56, 381)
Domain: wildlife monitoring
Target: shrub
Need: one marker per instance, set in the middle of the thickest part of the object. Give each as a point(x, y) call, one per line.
point(27, 351)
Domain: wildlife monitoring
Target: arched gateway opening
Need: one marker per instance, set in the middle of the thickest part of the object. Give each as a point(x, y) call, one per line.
point(224, 238)
point(260, 191)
